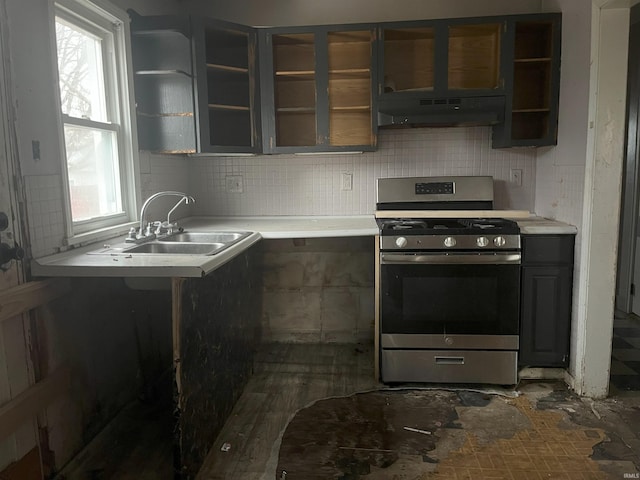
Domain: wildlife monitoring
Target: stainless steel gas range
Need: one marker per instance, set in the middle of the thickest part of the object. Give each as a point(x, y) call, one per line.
point(448, 286)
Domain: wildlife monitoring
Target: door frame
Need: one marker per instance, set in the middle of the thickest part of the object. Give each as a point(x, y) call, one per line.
point(630, 195)
point(21, 449)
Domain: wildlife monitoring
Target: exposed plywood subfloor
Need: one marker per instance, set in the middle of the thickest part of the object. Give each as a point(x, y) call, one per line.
point(445, 434)
point(290, 377)
point(546, 449)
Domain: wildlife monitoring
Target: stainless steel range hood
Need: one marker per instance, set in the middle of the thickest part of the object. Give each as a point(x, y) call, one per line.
point(405, 111)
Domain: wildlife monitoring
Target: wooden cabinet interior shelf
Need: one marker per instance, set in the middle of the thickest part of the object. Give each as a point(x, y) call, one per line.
point(227, 68)
point(532, 80)
point(350, 95)
point(163, 72)
point(474, 57)
point(294, 62)
point(409, 56)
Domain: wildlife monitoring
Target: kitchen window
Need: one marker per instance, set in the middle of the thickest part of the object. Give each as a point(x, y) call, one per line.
point(96, 116)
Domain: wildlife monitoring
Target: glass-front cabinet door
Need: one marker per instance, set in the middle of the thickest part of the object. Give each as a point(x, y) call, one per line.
point(318, 89)
point(436, 58)
point(227, 101)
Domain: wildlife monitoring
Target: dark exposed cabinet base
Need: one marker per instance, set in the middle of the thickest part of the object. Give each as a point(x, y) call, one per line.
point(545, 310)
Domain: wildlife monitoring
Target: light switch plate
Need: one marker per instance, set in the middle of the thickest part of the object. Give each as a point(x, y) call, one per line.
point(234, 184)
point(516, 177)
point(346, 181)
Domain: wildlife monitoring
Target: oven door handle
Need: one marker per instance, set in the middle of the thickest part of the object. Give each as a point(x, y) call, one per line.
point(511, 258)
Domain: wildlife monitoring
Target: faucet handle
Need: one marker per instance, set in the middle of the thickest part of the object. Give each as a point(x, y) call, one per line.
point(131, 236)
point(148, 231)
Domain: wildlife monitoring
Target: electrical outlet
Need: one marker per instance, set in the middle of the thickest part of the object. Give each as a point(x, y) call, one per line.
point(234, 183)
point(346, 181)
point(516, 176)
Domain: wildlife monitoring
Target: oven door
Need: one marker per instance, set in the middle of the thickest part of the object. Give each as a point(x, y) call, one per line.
point(450, 300)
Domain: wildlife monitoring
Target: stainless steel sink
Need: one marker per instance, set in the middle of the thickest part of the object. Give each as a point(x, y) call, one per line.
point(183, 243)
point(177, 248)
point(206, 237)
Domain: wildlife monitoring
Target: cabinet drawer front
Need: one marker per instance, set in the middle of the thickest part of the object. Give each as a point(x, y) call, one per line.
point(547, 249)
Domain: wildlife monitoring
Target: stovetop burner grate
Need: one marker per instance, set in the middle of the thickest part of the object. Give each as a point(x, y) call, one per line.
point(440, 226)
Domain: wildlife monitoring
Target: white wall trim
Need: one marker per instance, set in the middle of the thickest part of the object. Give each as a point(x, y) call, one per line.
point(603, 176)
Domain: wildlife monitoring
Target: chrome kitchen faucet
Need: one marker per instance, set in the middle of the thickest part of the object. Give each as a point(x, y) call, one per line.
point(147, 234)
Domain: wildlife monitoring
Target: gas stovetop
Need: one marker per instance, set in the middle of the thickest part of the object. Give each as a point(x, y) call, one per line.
point(447, 226)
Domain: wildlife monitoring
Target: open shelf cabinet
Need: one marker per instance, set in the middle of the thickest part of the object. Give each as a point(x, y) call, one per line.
point(161, 51)
point(534, 83)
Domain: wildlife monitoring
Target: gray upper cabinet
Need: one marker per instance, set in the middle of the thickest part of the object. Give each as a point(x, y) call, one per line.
point(441, 72)
point(532, 82)
point(227, 102)
point(318, 88)
point(163, 76)
point(442, 57)
point(500, 71)
point(208, 86)
point(196, 85)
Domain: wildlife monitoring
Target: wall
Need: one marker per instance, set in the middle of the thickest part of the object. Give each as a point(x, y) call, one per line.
point(313, 12)
point(310, 185)
point(45, 200)
point(284, 181)
point(560, 171)
point(318, 290)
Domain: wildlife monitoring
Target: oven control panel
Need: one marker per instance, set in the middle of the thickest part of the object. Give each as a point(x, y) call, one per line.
point(435, 188)
point(446, 242)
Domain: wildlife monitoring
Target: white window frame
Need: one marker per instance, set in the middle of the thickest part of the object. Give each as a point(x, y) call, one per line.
point(113, 25)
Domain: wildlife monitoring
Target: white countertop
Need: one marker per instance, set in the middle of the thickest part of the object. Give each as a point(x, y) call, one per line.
point(534, 225)
point(286, 226)
point(78, 263)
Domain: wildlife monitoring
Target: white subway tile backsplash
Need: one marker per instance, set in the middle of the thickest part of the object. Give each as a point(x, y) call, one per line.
point(45, 206)
point(311, 185)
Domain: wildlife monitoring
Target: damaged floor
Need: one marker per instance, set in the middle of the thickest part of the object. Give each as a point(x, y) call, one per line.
point(540, 430)
point(543, 431)
point(441, 434)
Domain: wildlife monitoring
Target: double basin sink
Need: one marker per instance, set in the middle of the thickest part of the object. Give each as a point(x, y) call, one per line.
point(182, 243)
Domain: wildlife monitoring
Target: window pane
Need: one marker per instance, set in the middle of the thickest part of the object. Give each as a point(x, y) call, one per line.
point(94, 177)
point(82, 88)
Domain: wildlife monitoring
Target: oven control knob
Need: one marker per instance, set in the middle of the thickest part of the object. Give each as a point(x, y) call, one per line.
point(450, 242)
point(401, 242)
point(499, 241)
point(482, 241)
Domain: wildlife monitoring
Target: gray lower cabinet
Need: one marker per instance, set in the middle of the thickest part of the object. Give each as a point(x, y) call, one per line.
point(216, 332)
point(545, 309)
